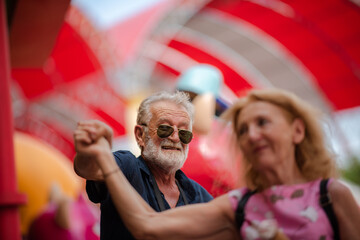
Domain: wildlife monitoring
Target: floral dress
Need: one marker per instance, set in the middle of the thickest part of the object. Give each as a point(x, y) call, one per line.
point(294, 210)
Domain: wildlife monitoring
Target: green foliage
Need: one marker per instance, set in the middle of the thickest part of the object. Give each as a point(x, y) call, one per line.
point(352, 172)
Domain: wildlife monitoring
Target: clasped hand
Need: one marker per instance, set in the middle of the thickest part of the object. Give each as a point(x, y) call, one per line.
point(92, 138)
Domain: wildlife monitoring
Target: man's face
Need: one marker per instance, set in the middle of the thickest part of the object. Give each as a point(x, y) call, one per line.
point(168, 153)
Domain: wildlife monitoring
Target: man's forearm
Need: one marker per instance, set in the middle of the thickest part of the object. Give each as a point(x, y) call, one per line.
point(86, 167)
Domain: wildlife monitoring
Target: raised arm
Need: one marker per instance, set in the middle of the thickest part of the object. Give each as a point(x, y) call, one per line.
point(85, 134)
point(213, 220)
point(346, 209)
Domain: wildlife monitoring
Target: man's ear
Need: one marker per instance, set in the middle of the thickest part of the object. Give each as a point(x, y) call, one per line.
point(139, 135)
point(298, 130)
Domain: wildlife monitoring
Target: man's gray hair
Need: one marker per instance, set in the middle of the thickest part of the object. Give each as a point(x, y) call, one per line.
point(180, 98)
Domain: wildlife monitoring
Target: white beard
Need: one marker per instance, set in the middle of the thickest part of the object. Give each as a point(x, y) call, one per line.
point(170, 161)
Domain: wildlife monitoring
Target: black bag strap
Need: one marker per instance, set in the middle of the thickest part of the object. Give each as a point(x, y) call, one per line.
point(240, 211)
point(326, 204)
point(159, 198)
point(158, 194)
point(182, 193)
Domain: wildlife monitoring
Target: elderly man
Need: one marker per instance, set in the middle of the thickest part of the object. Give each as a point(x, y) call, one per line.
point(163, 132)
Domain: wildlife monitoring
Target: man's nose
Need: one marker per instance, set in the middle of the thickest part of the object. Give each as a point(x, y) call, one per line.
point(175, 135)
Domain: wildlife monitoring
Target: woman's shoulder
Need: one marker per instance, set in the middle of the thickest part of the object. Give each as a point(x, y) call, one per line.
point(346, 209)
point(236, 195)
point(342, 199)
point(338, 191)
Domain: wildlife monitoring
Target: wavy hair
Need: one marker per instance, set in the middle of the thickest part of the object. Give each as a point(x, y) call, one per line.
point(312, 156)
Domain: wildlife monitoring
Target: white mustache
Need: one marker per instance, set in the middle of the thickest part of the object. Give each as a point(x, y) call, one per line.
point(169, 143)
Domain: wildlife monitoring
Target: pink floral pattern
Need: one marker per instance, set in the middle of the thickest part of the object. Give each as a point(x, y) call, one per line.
point(294, 208)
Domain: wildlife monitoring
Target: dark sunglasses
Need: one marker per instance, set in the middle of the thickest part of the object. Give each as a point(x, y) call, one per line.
point(164, 131)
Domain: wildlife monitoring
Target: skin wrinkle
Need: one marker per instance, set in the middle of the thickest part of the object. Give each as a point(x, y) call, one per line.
point(158, 158)
point(168, 161)
point(161, 109)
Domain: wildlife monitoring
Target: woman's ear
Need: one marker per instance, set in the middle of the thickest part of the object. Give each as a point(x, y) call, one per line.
point(139, 135)
point(298, 130)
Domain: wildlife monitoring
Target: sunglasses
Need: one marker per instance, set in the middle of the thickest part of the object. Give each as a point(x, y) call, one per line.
point(164, 131)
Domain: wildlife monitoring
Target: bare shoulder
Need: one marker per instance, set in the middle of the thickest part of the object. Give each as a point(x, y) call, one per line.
point(338, 191)
point(346, 209)
point(344, 203)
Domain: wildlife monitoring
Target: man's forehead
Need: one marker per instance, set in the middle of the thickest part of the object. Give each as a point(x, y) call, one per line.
point(169, 111)
point(164, 106)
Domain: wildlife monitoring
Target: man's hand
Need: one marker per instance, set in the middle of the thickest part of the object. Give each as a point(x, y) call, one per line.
point(95, 129)
point(91, 139)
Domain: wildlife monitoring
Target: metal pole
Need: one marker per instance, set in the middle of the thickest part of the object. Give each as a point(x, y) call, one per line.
point(10, 198)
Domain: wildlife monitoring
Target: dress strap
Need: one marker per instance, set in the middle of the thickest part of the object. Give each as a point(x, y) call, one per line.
point(240, 211)
point(326, 204)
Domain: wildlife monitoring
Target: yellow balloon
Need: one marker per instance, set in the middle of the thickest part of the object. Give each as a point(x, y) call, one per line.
point(38, 167)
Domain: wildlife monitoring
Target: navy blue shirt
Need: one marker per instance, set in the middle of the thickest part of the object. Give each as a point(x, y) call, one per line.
point(138, 174)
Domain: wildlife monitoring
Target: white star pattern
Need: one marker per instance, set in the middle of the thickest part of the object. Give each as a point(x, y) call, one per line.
point(309, 213)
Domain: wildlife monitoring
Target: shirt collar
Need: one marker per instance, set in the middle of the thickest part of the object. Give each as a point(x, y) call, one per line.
point(184, 181)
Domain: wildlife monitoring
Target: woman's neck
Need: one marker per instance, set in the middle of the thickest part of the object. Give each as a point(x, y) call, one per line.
point(282, 175)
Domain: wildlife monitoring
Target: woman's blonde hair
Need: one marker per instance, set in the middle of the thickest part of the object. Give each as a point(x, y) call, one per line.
point(312, 156)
